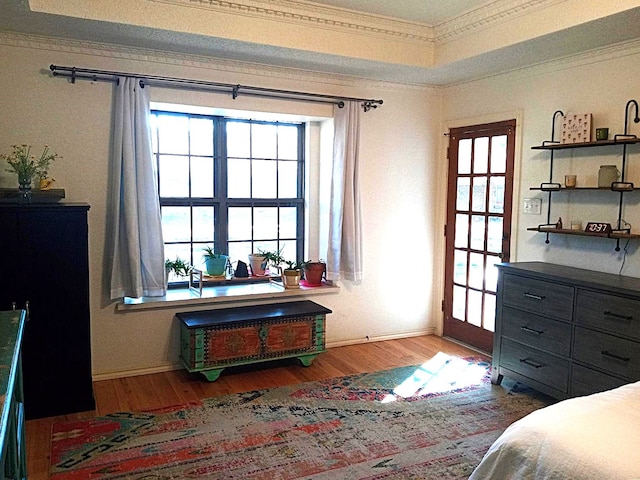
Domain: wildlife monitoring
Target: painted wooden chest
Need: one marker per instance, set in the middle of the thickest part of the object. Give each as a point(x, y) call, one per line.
point(212, 340)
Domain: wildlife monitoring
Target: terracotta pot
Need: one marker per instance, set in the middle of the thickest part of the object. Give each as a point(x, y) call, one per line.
point(314, 272)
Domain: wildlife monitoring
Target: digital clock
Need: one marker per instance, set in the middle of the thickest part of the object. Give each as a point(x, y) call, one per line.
point(597, 227)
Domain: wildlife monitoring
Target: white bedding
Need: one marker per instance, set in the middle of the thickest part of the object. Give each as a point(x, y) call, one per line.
point(592, 437)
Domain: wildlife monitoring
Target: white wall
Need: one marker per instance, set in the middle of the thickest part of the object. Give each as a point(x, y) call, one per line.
point(600, 83)
point(399, 149)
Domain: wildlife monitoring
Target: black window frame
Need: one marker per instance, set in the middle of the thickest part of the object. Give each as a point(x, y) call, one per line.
point(220, 201)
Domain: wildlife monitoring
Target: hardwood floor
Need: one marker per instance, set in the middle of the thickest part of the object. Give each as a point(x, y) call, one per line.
point(171, 388)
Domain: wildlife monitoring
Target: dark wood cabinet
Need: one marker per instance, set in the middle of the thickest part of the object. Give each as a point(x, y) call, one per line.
point(566, 331)
point(45, 269)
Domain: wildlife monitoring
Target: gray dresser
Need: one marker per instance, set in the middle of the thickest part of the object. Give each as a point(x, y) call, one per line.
point(566, 331)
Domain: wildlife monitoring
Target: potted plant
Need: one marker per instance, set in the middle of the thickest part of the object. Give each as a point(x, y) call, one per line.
point(261, 260)
point(26, 166)
point(216, 263)
point(292, 274)
point(178, 267)
point(314, 272)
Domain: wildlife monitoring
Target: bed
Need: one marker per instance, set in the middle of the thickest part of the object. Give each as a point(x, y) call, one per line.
point(591, 437)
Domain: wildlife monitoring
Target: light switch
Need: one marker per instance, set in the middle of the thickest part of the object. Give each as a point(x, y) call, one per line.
point(532, 206)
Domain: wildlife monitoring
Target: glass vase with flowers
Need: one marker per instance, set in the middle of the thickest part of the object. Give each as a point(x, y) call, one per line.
point(28, 166)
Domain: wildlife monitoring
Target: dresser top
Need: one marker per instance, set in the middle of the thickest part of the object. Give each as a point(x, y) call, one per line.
point(575, 276)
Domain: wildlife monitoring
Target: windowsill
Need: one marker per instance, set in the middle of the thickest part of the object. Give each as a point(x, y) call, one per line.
point(223, 294)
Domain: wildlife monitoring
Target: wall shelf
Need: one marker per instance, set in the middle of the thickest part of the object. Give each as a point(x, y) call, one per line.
point(622, 187)
point(582, 233)
point(620, 140)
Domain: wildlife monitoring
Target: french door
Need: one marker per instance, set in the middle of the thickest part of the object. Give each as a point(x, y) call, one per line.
point(478, 229)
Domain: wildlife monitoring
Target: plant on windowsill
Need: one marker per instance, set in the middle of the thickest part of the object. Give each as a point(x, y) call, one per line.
point(260, 261)
point(178, 267)
point(314, 273)
point(292, 274)
point(216, 263)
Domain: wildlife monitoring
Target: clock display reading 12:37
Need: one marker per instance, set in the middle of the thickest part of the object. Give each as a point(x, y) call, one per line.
point(597, 227)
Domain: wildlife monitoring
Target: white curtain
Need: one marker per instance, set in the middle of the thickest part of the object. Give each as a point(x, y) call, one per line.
point(137, 244)
point(344, 256)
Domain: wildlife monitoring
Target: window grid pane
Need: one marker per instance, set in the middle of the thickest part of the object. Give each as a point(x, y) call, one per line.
point(252, 199)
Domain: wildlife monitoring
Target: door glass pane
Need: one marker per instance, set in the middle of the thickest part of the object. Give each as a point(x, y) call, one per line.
point(476, 270)
point(491, 274)
point(176, 224)
point(201, 177)
point(481, 155)
point(494, 235)
point(462, 195)
point(239, 178)
point(489, 322)
point(464, 156)
point(462, 231)
point(499, 154)
point(496, 195)
point(459, 302)
point(479, 194)
point(474, 310)
point(460, 267)
point(477, 232)
point(203, 224)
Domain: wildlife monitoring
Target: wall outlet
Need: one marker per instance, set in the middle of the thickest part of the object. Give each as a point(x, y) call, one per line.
point(532, 206)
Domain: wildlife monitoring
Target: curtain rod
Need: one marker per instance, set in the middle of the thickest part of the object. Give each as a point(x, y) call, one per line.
point(75, 73)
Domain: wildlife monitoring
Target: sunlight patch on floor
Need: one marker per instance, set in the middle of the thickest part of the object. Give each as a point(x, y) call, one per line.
point(442, 373)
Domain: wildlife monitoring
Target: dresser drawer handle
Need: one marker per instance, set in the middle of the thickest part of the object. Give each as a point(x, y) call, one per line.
point(531, 330)
point(530, 363)
point(617, 315)
point(614, 356)
point(532, 296)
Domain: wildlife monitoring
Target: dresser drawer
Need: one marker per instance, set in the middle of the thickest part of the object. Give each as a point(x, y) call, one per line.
point(536, 331)
point(585, 381)
point(619, 315)
point(537, 296)
point(612, 354)
point(535, 364)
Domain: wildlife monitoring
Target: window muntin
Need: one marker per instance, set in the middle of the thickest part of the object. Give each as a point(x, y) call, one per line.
point(237, 184)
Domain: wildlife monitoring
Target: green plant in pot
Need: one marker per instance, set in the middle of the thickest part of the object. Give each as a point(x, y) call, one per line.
point(314, 273)
point(215, 263)
point(260, 261)
point(178, 267)
point(292, 274)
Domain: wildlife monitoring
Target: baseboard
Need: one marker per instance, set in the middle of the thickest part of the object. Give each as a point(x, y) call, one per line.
point(381, 338)
point(138, 371)
point(177, 366)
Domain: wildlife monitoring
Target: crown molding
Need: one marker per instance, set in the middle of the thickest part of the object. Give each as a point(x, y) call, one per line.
point(211, 64)
point(486, 16)
point(598, 55)
point(314, 15)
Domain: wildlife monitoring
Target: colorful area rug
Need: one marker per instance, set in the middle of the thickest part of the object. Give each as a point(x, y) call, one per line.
point(430, 421)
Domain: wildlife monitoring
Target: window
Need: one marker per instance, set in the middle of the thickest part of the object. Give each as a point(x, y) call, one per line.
point(236, 184)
